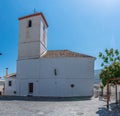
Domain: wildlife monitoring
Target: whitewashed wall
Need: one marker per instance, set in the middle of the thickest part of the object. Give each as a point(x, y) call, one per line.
point(2, 86)
point(77, 71)
point(31, 38)
point(9, 90)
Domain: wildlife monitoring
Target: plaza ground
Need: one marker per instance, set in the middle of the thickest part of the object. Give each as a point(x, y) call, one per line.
point(28, 106)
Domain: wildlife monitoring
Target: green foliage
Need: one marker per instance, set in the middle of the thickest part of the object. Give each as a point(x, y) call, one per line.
point(110, 64)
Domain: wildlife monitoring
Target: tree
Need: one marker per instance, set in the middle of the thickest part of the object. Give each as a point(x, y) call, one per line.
point(110, 64)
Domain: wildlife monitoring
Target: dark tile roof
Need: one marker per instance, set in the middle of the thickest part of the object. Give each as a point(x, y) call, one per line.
point(64, 53)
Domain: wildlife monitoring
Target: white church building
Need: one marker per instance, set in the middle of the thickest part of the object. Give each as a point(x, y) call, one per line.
point(42, 72)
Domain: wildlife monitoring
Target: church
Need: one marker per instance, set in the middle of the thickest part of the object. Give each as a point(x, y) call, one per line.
point(47, 73)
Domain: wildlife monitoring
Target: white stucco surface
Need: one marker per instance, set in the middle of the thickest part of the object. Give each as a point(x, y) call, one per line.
point(11, 90)
point(2, 86)
point(76, 71)
point(32, 40)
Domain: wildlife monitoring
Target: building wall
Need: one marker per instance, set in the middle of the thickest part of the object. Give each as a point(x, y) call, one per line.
point(31, 38)
point(48, 82)
point(2, 86)
point(57, 87)
point(11, 90)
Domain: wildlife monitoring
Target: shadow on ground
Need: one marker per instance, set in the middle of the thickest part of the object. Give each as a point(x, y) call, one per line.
point(50, 99)
point(113, 111)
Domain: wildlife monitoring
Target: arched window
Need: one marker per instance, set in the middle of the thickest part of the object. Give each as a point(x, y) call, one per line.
point(29, 23)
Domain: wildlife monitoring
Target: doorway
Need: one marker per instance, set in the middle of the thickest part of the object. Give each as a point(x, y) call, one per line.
point(30, 88)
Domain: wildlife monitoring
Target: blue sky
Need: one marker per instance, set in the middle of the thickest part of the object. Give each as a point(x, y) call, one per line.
point(84, 26)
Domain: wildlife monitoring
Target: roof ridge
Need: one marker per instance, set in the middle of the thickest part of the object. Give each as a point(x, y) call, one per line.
point(34, 14)
point(64, 53)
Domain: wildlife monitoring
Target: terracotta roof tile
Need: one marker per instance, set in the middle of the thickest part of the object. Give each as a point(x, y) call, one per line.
point(10, 75)
point(63, 53)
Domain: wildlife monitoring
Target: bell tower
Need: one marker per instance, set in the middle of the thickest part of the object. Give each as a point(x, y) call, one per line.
point(32, 36)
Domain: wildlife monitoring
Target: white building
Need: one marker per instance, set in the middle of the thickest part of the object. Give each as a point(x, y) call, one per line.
point(2, 86)
point(42, 72)
point(10, 84)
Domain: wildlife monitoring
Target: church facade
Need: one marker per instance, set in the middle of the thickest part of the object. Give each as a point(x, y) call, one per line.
point(42, 72)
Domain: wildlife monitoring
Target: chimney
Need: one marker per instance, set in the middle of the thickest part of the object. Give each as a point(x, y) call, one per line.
point(6, 72)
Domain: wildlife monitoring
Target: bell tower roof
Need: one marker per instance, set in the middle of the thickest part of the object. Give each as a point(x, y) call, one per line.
point(33, 15)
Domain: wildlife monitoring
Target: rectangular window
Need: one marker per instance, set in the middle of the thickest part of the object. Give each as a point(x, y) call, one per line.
point(9, 83)
point(30, 87)
point(29, 23)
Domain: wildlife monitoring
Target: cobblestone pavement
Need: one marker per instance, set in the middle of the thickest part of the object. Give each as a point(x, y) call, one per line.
point(74, 107)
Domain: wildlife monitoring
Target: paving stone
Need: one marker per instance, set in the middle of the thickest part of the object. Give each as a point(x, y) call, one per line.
point(57, 107)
